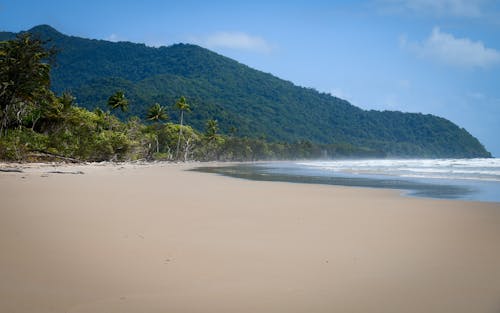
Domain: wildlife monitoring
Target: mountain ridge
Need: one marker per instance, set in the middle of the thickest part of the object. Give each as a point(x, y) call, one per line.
point(255, 103)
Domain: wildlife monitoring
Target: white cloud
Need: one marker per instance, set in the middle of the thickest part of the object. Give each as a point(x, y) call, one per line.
point(155, 43)
point(113, 37)
point(149, 41)
point(460, 8)
point(447, 49)
point(234, 40)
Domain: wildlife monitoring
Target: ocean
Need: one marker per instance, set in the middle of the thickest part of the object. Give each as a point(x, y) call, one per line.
point(462, 179)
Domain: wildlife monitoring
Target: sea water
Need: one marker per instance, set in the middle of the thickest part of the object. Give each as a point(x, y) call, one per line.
point(450, 169)
point(467, 179)
point(464, 179)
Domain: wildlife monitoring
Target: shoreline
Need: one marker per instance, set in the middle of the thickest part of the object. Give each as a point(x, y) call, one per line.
point(416, 187)
point(160, 238)
point(211, 168)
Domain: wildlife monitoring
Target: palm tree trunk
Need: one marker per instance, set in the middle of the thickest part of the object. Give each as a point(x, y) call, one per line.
point(157, 144)
point(186, 149)
point(179, 139)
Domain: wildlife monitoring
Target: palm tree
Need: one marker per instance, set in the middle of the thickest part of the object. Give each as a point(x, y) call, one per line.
point(182, 106)
point(118, 100)
point(213, 140)
point(211, 130)
point(156, 114)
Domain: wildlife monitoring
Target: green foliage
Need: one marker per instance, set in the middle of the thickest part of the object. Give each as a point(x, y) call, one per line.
point(16, 144)
point(255, 103)
point(83, 135)
point(182, 105)
point(213, 142)
point(187, 143)
point(258, 115)
point(24, 79)
point(211, 130)
point(118, 100)
point(110, 145)
point(157, 113)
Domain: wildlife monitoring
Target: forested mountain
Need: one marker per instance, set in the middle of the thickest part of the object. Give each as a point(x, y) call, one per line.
point(245, 101)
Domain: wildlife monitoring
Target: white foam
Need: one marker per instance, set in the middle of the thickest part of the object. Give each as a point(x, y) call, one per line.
point(475, 169)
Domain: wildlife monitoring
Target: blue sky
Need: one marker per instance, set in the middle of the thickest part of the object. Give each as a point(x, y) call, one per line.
point(431, 56)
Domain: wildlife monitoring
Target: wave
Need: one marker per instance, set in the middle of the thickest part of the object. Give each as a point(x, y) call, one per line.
point(466, 169)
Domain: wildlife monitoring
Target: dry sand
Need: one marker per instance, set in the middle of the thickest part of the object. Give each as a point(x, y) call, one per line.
point(160, 239)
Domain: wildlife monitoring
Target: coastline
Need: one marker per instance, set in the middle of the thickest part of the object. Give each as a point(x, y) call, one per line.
point(410, 181)
point(159, 238)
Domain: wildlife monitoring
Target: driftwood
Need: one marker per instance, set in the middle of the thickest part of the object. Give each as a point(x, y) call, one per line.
point(54, 156)
point(11, 170)
point(62, 172)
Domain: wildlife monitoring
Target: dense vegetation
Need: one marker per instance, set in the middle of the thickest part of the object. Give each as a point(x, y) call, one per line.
point(38, 125)
point(264, 116)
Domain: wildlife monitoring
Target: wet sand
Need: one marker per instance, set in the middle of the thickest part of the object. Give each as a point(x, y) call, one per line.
point(157, 238)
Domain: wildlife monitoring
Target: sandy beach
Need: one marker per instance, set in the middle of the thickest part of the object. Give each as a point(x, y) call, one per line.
point(157, 238)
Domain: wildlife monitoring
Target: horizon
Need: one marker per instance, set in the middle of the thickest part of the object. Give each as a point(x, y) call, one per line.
point(447, 54)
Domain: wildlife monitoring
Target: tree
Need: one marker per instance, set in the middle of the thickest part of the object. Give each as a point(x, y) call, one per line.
point(24, 78)
point(118, 100)
point(213, 140)
point(156, 114)
point(212, 127)
point(182, 106)
point(52, 113)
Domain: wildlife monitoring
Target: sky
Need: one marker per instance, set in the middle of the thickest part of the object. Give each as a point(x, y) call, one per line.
point(437, 57)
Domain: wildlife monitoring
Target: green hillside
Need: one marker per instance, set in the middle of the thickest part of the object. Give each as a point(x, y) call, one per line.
point(254, 103)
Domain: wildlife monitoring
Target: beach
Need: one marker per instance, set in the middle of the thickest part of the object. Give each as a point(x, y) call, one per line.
point(159, 238)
